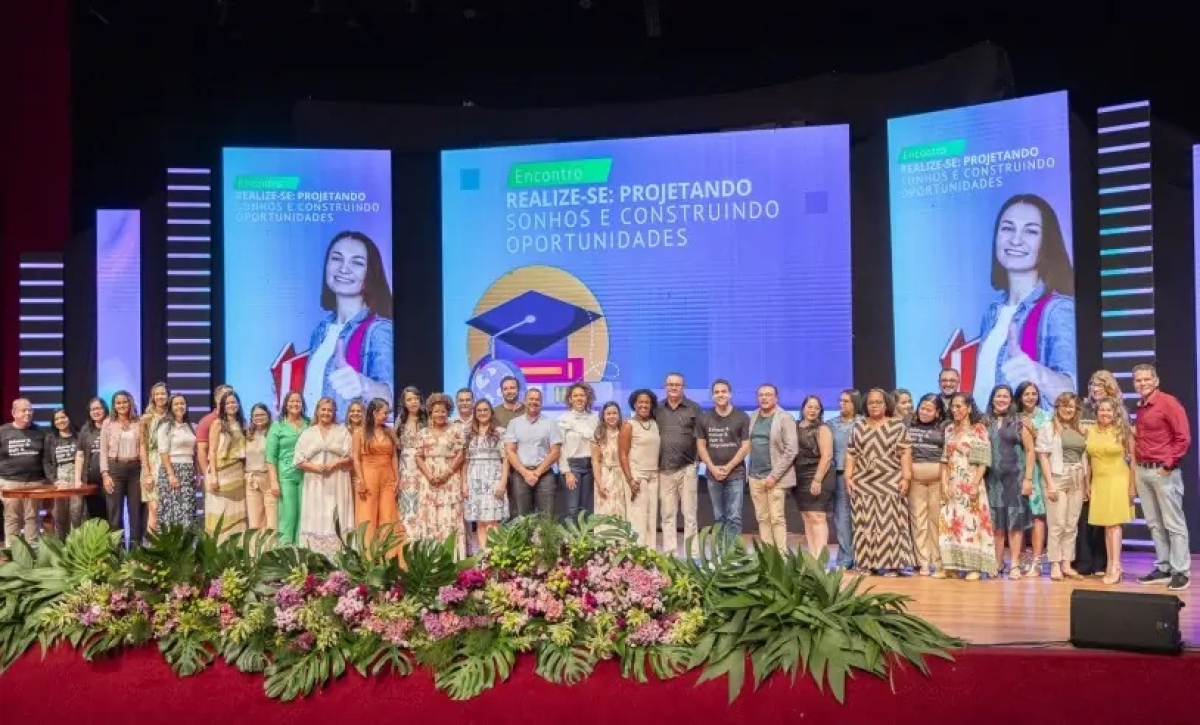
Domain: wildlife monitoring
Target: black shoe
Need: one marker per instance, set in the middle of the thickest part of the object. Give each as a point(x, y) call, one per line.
point(1179, 582)
point(1158, 576)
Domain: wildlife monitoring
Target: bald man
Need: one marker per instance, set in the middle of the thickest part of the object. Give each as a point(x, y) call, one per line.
point(20, 465)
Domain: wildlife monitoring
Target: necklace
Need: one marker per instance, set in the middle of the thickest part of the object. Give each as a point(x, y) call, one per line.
point(646, 424)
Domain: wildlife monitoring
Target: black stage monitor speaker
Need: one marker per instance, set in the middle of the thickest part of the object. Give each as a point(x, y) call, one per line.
point(1126, 621)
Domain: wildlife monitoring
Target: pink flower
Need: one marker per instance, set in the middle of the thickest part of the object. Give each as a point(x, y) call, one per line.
point(228, 615)
point(449, 595)
point(351, 606)
point(91, 615)
point(337, 583)
point(648, 633)
point(288, 597)
point(305, 641)
point(471, 579)
point(215, 587)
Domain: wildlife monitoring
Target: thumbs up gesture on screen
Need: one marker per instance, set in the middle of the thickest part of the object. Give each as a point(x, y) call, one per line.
point(345, 380)
point(1018, 367)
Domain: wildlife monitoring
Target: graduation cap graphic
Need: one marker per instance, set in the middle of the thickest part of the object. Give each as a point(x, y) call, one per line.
point(531, 329)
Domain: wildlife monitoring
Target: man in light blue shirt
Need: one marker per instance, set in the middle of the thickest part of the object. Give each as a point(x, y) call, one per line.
point(533, 442)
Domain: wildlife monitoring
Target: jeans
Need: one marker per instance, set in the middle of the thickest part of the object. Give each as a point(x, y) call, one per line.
point(842, 524)
point(1162, 505)
point(524, 496)
point(580, 498)
point(727, 498)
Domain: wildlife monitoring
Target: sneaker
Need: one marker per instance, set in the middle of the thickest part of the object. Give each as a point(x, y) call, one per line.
point(1157, 576)
point(1179, 582)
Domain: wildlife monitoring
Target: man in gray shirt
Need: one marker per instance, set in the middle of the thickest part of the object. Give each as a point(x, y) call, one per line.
point(677, 417)
point(533, 442)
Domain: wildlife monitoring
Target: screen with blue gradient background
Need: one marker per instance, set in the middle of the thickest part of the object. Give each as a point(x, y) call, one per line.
point(282, 208)
point(720, 255)
point(119, 308)
point(950, 173)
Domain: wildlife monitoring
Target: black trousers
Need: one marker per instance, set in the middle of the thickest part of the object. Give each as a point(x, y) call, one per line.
point(96, 504)
point(127, 493)
point(1091, 554)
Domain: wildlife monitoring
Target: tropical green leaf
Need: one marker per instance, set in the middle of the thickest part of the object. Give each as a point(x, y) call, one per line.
point(186, 655)
point(564, 665)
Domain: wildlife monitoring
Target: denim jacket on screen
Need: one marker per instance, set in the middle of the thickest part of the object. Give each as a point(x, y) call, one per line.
point(378, 351)
point(1055, 335)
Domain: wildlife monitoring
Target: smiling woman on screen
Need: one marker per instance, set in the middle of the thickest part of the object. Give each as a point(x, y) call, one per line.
point(1028, 330)
point(351, 349)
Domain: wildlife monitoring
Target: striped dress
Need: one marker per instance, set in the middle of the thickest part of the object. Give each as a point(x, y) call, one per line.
point(882, 530)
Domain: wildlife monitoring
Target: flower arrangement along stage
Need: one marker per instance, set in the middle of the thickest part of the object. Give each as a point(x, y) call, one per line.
point(569, 594)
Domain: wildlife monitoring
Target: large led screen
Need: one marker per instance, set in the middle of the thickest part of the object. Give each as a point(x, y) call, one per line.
point(617, 262)
point(982, 274)
point(307, 271)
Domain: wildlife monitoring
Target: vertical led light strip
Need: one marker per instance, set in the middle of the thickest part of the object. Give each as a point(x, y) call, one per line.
point(40, 331)
point(189, 286)
point(1126, 253)
point(119, 302)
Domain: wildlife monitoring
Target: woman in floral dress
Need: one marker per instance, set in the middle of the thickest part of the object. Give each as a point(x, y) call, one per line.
point(487, 472)
point(439, 460)
point(411, 421)
point(965, 524)
point(612, 490)
point(1034, 416)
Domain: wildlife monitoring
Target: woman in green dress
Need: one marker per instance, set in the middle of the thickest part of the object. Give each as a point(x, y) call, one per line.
point(286, 480)
point(1034, 416)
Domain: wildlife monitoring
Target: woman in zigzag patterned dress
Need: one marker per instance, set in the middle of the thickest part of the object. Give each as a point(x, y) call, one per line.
point(878, 472)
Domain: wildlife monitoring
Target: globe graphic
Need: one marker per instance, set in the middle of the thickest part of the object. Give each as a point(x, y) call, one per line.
point(486, 378)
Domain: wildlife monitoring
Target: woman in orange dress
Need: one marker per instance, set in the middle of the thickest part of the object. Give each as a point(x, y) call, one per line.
point(377, 473)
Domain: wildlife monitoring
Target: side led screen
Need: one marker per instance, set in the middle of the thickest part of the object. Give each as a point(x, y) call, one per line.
point(307, 270)
point(982, 272)
point(119, 302)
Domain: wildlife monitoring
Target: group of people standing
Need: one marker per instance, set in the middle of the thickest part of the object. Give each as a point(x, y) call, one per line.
point(934, 486)
point(1067, 471)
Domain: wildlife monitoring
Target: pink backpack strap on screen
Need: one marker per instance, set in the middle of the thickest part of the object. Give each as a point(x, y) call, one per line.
point(354, 346)
point(1031, 327)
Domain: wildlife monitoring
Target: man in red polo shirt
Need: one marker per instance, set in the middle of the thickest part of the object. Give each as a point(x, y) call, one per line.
point(206, 423)
point(1162, 440)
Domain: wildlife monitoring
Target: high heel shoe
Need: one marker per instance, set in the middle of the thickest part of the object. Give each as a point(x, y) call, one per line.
point(1113, 576)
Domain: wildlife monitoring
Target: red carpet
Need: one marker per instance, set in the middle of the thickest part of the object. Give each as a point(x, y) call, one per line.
point(984, 686)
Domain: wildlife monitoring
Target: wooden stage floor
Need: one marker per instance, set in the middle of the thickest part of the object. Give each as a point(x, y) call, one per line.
point(1026, 612)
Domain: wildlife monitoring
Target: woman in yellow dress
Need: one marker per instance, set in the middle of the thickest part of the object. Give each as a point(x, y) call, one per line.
point(1113, 480)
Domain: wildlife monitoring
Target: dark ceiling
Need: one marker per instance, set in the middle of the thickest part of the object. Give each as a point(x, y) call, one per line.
point(155, 80)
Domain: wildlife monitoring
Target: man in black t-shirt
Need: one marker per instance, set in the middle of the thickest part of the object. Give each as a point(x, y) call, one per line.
point(21, 444)
point(722, 443)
